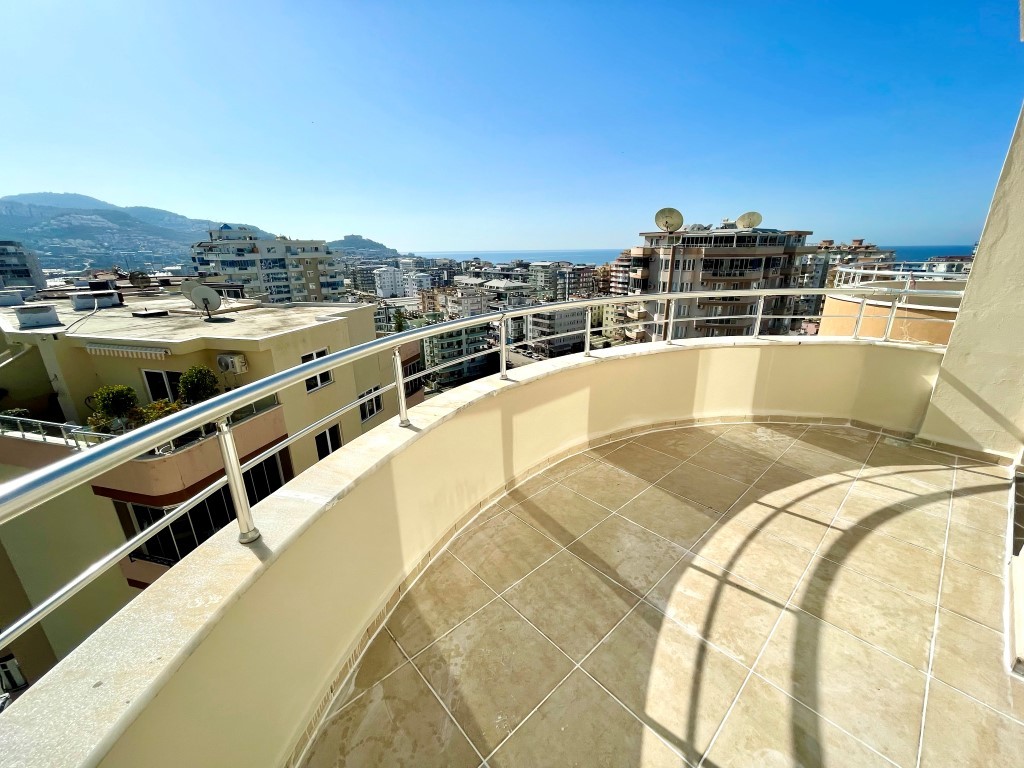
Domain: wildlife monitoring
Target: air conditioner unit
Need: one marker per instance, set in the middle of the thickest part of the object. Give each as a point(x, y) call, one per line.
point(232, 363)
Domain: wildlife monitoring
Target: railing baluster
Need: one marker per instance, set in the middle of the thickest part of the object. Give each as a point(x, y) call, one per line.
point(892, 317)
point(503, 347)
point(760, 314)
point(586, 336)
point(403, 407)
point(247, 530)
point(860, 316)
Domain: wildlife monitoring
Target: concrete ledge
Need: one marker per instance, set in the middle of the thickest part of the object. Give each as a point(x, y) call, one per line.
point(231, 657)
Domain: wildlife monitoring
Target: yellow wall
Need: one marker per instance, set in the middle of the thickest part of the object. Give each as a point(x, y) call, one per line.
point(909, 324)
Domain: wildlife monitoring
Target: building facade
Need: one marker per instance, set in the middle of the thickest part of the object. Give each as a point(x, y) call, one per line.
point(19, 268)
point(388, 282)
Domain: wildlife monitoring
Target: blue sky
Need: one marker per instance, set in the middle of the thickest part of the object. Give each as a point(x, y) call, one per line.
point(489, 125)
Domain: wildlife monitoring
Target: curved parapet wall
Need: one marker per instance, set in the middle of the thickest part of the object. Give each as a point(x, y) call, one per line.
point(231, 656)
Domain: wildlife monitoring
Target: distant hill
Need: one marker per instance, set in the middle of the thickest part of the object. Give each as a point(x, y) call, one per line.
point(77, 227)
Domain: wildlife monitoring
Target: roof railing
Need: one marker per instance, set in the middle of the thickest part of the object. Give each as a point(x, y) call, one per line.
point(23, 494)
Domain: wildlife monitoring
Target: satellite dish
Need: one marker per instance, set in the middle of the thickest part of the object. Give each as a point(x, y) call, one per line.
point(140, 279)
point(205, 299)
point(668, 219)
point(187, 286)
point(749, 220)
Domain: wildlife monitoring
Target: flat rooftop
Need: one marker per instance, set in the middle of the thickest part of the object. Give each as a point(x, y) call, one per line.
point(248, 323)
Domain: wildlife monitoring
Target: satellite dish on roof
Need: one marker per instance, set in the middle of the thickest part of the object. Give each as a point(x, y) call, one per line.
point(668, 219)
point(205, 299)
point(187, 286)
point(749, 220)
point(140, 279)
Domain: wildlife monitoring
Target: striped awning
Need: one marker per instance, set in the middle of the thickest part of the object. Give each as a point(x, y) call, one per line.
point(127, 350)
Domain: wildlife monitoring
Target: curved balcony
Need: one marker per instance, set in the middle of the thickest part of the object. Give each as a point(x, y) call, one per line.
point(527, 560)
point(639, 273)
point(636, 312)
point(636, 334)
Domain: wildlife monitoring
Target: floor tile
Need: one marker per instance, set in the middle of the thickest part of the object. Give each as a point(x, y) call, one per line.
point(681, 443)
point(567, 467)
point(764, 440)
point(978, 548)
point(915, 526)
point(503, 550)
point(703, 486)
point(875, 612)
point(381, 658)
point(677, 519)
point(840, 441)
point(934, 500)
point(995, 490)
point(922, 480)
point(980, 514)
point(444, 595)
point(671, 680)
point(644, 462)
point(769, 728)
point(571, 603)
point(973, 593)
point(580, 724)
point(897, 453)
point(913, 569)
point(733, 614)
point(773, 564)
point(961, 732)
point(818, 464)
point(796, 524)
point(561, 514)
point(602, 450)
point(526, 489)
point(971, 658)
point(862, 690)
point(608, 486)
point(780, 486)
point(491, 672)
point(627, 553)
point(398, 722)
point(740, 465)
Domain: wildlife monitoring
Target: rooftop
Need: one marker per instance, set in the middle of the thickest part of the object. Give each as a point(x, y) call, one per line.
point(746, 594)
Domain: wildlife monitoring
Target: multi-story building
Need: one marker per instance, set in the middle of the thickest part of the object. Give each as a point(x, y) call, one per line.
point(575, 281)
point(281, 269)
point(57, 357)
point(417, 282)
point(544, 278)
point(546, 331)
point(452, 345)
point(705, 258)
point(19, 268)
point(602, 279)
point(388, 282)
point(363, 279)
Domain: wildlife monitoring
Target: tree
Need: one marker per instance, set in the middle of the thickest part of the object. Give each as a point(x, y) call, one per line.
point(399, 317)
point(116, 400)
point(196, 384)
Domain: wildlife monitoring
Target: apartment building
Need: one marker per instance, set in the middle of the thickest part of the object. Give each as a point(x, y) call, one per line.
point(19, 268)
point(388, 282)
point(452, 345)
point(53, 358)
point(363, 279)
point(546, 331)
point(417, 282)
point(281, 269)
point(708, 258)
point(544, 278)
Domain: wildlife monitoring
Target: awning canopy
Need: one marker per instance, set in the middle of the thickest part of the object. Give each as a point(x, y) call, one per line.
point(126, 350)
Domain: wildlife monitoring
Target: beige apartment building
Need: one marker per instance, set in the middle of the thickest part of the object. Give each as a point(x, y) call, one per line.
point(53, 358)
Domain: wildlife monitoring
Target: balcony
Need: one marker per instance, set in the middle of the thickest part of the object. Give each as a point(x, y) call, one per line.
point(639, 273)
point(547, 567)
point(636, 312)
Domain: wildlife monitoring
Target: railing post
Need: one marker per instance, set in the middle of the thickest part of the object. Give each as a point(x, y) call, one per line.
point(669, 321)
point(586, 336)
point(503, 347)
point(892, 317)
point(760, 314)
point(860, 317)
point(403, 408)
point(247, 530)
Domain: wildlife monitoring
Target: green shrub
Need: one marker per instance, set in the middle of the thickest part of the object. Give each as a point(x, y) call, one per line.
point(98, 422)
point(115, 401)
point(17, 413)
point(157, 410)
point(198, 383)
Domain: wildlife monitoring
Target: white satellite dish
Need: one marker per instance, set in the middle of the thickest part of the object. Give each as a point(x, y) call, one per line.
point(749, 220)
point(187, 286)
point(205, 299)
point(668, 219)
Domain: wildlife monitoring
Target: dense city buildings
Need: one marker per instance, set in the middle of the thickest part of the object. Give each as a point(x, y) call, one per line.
point(19, 268)
point(388, 282)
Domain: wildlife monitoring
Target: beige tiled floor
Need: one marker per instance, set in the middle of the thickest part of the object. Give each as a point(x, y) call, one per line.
point(730, 595)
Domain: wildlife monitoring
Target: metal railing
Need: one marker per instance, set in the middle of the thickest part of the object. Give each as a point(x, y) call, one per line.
point(21, 495)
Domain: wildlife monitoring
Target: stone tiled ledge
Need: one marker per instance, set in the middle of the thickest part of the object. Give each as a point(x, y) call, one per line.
point(103, 687)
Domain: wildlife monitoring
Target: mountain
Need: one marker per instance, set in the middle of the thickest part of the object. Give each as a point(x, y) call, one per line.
point(60, 200)
point(359, 245)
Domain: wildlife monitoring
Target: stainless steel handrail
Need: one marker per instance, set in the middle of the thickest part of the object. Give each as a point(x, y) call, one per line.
point(22, 494)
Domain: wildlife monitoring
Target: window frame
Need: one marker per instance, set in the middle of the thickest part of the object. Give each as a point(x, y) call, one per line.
point(171, 390)
point(332, 437)
point(371, 407)
point(321, 380)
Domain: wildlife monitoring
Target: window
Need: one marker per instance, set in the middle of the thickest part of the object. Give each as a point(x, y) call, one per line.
point(321, 379)
point(162, 385)
point(370, 408)
point(328, 441)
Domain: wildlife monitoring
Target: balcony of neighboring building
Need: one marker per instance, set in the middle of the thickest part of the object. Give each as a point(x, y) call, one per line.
point(636, 312)
point(550, 569)
point(638, 273)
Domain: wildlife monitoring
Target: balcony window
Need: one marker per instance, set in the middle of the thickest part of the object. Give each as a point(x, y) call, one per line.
point(162, 385)
point(328, 441)
point(370, 408)
point(321, 379)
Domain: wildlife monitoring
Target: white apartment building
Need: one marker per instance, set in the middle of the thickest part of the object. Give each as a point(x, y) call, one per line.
point(387, 282)
point(416, 283)
point(19, 267)
point(542, 327)
point(281, 269)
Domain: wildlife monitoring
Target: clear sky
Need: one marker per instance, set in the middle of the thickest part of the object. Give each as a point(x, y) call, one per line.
point(500, 125)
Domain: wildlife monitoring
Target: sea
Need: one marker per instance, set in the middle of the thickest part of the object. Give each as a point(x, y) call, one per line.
point(605, 255)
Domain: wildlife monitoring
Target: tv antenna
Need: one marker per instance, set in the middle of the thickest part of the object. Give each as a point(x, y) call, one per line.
point(205, 299)
point(140, 279)
point(749, 220)
point(668, 219)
